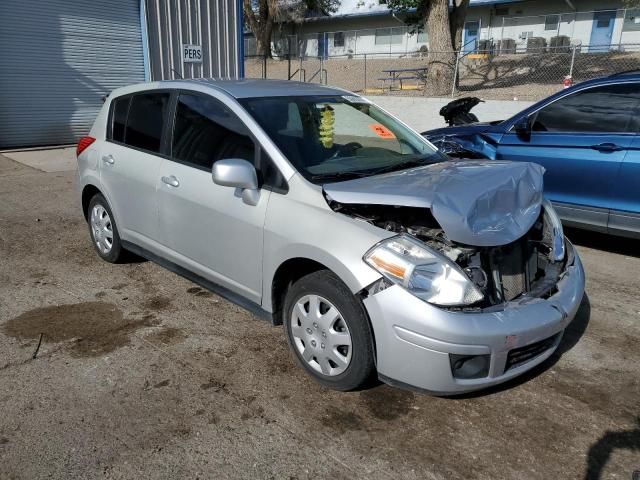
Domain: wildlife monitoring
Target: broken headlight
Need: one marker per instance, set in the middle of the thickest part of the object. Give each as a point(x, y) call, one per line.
point(554, 225)
point(424, 272)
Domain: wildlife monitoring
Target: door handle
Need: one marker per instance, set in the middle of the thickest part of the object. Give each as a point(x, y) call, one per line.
point(606, 147)
point(108, 159)
point(171, 181)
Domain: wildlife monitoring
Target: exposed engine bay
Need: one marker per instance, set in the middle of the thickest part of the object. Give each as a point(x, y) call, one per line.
point(523, 268)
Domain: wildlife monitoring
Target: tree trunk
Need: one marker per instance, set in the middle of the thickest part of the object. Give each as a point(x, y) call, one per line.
point(458, 15)
point(260, 22)
point(263, 40)
point(441, 58)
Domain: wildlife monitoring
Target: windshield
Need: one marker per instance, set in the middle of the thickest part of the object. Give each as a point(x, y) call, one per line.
point(331, 138)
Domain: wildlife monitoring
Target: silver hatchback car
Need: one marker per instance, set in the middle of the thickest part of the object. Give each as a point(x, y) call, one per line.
point(315, 208)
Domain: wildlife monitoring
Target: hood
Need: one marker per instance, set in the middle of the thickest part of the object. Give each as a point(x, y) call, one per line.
point(480, 203)
point(470, 129)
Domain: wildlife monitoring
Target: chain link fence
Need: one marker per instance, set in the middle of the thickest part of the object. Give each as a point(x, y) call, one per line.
point(529, 75)
point(538, 73)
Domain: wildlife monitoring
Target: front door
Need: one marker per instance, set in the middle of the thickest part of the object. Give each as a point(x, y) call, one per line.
point(602, 31)
point(581, 140)
point(207, 228)
point(471, 34)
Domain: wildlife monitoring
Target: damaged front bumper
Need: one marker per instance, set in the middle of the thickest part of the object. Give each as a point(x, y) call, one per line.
point(421, 346)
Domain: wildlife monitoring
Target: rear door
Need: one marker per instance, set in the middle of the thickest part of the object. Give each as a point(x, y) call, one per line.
point(624, 217)
point(207, 228)
point(581, 140)
point(130, 159)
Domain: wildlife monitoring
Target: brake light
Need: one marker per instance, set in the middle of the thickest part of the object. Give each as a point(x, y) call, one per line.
point(83, 144)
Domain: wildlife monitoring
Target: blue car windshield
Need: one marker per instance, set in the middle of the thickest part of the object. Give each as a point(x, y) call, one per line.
point(331, 138)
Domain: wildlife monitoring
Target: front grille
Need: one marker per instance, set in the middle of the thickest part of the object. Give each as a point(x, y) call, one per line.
point(511, 266)
point(520, 355)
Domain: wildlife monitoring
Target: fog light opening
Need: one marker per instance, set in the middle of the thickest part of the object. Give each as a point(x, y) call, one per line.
point(469, 366)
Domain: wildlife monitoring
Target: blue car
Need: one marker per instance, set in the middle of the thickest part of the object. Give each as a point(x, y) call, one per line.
point(586, 137)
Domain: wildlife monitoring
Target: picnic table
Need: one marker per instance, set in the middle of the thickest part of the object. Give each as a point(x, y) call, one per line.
point(401, 74)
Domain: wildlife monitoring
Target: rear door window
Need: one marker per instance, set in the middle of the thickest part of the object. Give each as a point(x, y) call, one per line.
point(147, 115)
point(604, 109)
point(206, 131)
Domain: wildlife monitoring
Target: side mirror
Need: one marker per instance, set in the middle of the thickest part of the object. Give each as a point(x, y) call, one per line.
point(523, 129)
point(237, 173)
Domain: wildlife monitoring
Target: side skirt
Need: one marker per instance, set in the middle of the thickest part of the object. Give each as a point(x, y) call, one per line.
point(219, 290)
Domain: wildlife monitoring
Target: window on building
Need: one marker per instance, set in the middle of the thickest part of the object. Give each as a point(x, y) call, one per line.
point(119, 112)
point(338, 39)
point(206, 131)
point(631, 20)
point(551, 22)
point(606, 109)
point(389, 36)
point(147, 115)
point(422, 36)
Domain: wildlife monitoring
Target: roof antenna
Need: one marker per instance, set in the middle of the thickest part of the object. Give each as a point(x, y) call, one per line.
point(177, 73)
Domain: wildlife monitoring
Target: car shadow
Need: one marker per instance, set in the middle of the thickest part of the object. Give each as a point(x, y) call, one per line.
point(602, 241)
point(130, 258)
point(600, 452)
point(572, 334)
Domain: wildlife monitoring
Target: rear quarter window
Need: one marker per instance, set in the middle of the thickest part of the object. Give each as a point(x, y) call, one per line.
point(119, 110)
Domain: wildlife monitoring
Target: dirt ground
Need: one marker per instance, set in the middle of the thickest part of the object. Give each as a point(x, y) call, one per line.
point(142, 374)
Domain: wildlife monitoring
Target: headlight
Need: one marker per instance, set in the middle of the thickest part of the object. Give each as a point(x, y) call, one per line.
point(425, 273)
point(555, 230)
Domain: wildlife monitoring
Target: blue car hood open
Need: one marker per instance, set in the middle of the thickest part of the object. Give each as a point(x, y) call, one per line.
point(480, 203)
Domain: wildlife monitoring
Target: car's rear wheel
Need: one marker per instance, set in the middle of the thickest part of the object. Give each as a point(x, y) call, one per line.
point(103, 230)
point(328, 331)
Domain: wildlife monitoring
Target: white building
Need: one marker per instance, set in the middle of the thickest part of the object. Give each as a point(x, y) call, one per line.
point(368, 27)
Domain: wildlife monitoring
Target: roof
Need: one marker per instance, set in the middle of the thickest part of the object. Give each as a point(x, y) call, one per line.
point(365, 8)
point(249, 88)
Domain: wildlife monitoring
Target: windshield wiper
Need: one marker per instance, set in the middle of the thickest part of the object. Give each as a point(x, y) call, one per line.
point(401, 166)
point(342, 175)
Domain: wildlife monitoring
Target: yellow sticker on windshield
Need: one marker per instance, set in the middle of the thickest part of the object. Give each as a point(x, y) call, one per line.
point(382, 131)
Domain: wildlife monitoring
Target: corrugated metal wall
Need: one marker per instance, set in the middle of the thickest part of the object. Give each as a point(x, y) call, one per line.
point(57, 59)
point(213, 24)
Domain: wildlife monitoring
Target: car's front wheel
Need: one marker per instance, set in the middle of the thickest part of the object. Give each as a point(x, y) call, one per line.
point(328, 330)
point(103, 230)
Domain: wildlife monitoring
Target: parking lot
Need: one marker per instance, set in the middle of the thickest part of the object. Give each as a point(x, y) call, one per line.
point(143, 374)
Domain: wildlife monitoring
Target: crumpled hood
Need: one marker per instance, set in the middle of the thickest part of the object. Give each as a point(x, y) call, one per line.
point(480, 203)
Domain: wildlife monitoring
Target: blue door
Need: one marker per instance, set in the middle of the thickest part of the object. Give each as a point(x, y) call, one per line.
point(471, 33)
point(602, 31)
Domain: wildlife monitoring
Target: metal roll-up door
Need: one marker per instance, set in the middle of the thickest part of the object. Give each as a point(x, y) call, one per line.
point(58, 58)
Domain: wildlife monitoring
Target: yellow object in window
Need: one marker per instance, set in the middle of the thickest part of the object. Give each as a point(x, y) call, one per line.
point(325, 131)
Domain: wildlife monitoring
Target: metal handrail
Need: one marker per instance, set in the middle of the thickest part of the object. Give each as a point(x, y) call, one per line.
point(301, 72)
point(320, 71)
point(463, 47)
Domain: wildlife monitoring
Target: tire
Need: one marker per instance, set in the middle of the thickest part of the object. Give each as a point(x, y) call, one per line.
point(103, 230)
point(321, 318)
